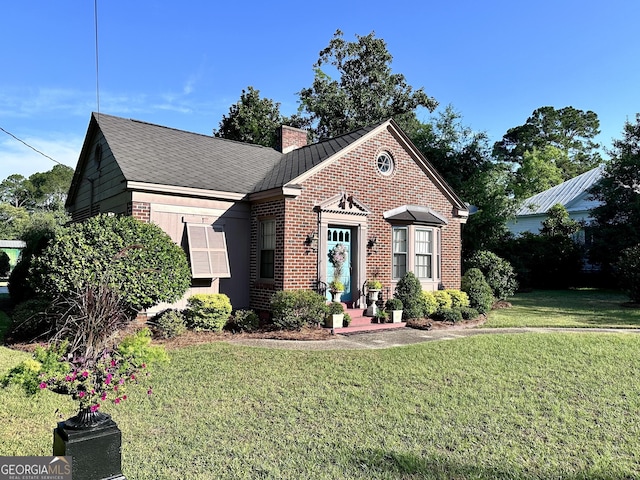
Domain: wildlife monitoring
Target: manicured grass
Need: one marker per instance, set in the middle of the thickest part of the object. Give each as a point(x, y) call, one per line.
point(567, 308)
point(526, 406)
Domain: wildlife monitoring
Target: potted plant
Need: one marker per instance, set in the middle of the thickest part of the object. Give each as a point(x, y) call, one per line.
point(373, 286)
point(381, 316)
point(336, 287)
point(335, 317)
point(394, 307)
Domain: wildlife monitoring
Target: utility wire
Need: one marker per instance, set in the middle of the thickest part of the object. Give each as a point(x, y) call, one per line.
point(32, 148)
point(95, 18)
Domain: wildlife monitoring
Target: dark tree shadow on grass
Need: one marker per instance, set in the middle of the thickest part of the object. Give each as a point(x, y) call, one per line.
point(397, 465)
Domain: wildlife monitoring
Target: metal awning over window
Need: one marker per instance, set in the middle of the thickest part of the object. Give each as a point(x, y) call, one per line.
point(207, 252)
point(415, 214)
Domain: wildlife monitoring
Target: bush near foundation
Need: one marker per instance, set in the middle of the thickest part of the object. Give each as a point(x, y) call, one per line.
point(479, 292)
point(294, 309)
point(208, 311)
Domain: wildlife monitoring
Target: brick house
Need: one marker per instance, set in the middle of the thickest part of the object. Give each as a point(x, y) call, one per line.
point(254, 220)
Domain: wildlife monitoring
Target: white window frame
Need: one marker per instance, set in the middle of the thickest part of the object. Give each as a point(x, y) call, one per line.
point(415, 250)
point(423, 251)
point(400, 252)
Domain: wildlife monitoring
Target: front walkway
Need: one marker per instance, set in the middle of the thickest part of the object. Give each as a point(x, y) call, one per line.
point(397, 337)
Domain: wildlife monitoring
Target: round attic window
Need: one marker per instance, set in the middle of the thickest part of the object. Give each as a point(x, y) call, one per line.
point(384, 163)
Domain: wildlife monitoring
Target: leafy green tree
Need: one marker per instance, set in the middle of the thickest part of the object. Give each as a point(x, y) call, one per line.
point(458, 153)
point(50, 188)
point(539, 171)
point(550, 259)
point(37, 231)
point(17, 191)
point(628, 272)
point(489, 193)
point(12, 221)
point(137, 260)
point(568, 129)
point(558, 222)
point(616, 223)
point(365, 92)
point(463, 157)
point(252, 120)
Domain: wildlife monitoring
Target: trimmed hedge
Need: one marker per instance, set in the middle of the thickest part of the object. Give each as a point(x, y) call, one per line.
point(208, 311)
point(478, 290)
point(294, 309)
point(409, 291)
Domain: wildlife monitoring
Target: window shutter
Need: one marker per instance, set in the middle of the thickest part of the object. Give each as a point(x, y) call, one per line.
point(207, 252)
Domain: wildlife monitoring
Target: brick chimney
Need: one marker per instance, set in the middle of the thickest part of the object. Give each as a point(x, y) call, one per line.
point(291, 138)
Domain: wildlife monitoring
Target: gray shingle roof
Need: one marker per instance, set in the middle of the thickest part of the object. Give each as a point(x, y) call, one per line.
point(565, 193)
point(166, 156)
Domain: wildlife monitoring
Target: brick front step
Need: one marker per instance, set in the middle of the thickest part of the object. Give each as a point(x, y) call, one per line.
point(360, 323)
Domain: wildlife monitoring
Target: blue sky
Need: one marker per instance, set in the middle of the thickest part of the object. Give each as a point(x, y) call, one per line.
point(183, 64)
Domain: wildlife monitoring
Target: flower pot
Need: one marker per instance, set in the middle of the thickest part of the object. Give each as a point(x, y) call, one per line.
point(396, 316)
point(87, 418)
point(335, 320)
point(335, 296)
point(372, 295)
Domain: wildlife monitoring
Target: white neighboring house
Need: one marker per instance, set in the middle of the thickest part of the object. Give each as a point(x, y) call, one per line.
point(572, 194)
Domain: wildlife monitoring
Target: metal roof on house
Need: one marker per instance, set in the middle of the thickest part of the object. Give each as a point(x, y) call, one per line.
point(568, 193)
point(301, 160)
point(166, 156)
point(12, 244)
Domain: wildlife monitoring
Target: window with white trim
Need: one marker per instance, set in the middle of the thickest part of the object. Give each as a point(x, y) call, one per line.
point(399, 252)
point(416, 249)
point(424, 254)
point(267, 247)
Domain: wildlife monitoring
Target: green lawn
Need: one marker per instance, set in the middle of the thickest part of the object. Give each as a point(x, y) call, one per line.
point(506, 406)
point(567, 308)
point(523, 406)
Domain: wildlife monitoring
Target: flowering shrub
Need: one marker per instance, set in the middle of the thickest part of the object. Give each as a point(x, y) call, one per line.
point(93, 382)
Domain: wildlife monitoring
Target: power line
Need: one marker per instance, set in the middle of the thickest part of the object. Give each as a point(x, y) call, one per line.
point(32, 148)
point(95, 19)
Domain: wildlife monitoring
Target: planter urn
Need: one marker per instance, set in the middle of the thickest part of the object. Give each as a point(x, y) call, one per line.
point(94, 442)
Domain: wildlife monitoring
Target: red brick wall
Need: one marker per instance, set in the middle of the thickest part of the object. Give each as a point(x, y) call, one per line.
point(292, 137)
point(356, 174)
point(262, 290)
point(140, 210)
